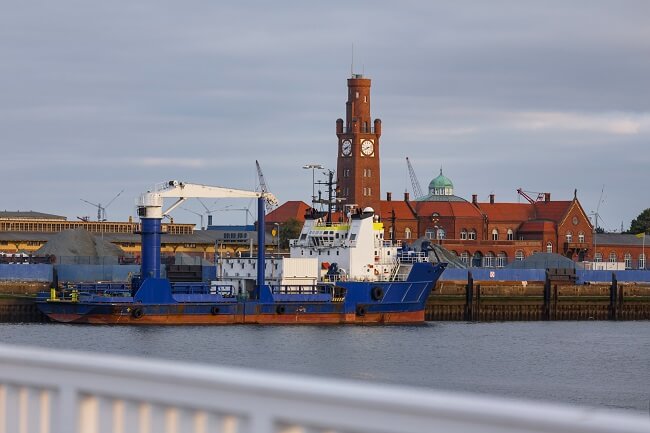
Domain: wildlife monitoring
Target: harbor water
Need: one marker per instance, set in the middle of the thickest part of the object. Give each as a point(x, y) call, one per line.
point(598, 364)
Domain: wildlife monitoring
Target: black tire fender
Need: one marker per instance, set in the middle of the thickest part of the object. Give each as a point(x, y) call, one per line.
point(137, 312)
point(280, 309)
point(376, 293)
point(214, 310)
point(361, 310)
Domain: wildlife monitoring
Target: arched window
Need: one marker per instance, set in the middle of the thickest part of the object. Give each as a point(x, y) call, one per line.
point(502, 259)
point(612, 257)
point(463, 234)
point(430, 233)
point(495, 235)
point(641, 261)
point(464, 257)
point(581, 237)
point(472, 235)
point(440, 233)
point(407, 233)
point(569, 237)
point(519, 255)
point(511, 235)
point(549, 247)
point(488, 260)
point(477, 259)
point(628, 260)
point(598, 257)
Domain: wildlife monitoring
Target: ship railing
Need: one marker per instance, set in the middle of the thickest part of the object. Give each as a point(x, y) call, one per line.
point(301, 289)
point(67, 392)
point(413, 257)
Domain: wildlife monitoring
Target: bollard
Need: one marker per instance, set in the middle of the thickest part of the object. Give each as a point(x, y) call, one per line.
point(469, 296)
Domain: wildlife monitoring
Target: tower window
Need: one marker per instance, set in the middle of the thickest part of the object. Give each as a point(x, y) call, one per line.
point(365, 99)
point(357, 95)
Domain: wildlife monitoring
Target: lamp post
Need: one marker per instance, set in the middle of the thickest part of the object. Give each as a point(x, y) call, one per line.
point(313, 168)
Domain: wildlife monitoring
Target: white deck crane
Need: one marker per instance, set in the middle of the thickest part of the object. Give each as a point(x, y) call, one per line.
point(263, 187)
point(417, 190)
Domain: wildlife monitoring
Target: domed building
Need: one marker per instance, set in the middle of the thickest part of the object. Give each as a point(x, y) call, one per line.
point(440, 189)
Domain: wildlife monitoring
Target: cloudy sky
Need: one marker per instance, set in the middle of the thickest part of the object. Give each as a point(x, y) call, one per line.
point(99, 97)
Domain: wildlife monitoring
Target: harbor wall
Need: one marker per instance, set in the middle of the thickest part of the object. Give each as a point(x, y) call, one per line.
point(88, 273)
point(25, 272)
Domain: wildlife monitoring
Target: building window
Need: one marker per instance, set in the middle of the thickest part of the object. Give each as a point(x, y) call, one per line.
point(407, 233)
point(346, 172)
point(367, 172)
point(641, 261)
point(463, 234)
point(464, 257)
point(502, 260)
point(511, 235)
point(471, 235)
point(581, 237)
point(549, 247)
point(519, 255)
point(430, 233)
point(495, 235)
point(440, 233)
point(628, 260)
point(598, 257)
point(612, 257)
point(477, 259)
point(569, 237)
point(488, 260)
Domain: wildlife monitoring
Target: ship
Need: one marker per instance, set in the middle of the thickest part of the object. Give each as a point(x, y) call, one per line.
point(341, 272)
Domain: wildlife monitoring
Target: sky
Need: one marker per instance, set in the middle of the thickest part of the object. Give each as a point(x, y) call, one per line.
point(102, 97)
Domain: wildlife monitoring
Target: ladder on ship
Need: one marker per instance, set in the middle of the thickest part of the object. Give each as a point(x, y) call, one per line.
point(401, 271)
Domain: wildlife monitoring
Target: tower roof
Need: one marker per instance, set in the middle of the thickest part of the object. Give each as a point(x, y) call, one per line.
point(441, 181)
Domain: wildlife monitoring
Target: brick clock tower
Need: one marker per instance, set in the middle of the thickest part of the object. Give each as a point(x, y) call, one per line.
point(358, 149)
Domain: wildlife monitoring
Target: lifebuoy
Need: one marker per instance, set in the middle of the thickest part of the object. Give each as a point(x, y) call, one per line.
point(376, 271)
point(361, 310)
point(280, 309)
point(136, 313)
point(376, 293)
point(214, 310)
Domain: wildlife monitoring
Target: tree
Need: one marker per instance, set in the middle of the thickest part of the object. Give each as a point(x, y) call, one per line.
point(641, 223)
point(290, 229)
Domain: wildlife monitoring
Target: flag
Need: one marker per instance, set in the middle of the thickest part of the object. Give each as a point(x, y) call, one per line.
point(640, 235)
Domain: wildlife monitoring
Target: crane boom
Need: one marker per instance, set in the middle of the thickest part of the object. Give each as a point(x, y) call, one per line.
point(263, 186)
point(529, 199)
point(417, 190)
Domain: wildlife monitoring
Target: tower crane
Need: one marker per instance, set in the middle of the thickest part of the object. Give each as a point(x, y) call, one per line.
point(101, 210)
point(417, 190)
point(263, 187)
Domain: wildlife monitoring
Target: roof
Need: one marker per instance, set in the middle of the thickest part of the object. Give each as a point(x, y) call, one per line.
point(29, 215)
point(400, 207)
point(551, 210)
point(288, 210)
point(458, 209)
point(438, 197)
point(537, 226)
point(507, 211)
point(621, 239)
point(441, 181)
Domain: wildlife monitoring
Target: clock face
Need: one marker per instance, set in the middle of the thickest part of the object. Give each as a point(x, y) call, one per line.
point(367, 147)
point(346, 147)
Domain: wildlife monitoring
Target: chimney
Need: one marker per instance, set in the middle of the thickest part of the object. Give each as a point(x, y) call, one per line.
point(547, 197)
point(406, 196)
point(491, 198)
point(389, 196)
point(474, 199)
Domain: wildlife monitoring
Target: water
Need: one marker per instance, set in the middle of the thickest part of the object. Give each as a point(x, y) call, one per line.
point(600, 364)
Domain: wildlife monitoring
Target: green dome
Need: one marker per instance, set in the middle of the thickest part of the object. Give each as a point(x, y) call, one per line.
point(441, 182)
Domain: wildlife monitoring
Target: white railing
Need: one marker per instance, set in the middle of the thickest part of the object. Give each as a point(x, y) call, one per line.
point(48, 391)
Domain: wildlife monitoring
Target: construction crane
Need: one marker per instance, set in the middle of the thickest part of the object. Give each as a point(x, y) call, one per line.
point(101, 210)
point(417, 190)
point(540, 196)
point(263, 186)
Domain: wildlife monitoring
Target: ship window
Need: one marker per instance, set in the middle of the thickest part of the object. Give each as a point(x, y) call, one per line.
point(353, 236)
point(337, 252)
point(303, 236)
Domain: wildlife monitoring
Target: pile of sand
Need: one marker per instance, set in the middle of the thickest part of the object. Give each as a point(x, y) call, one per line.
point(79, 242)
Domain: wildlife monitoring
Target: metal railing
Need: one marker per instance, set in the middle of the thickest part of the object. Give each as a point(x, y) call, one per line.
point(66, 392)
